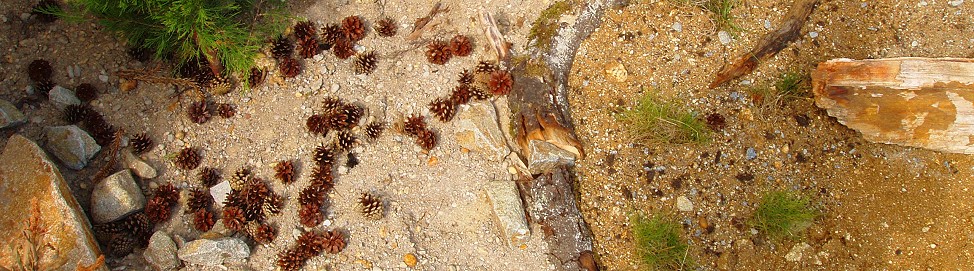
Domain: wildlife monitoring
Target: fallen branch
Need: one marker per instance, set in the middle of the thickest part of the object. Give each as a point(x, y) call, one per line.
point(423, 24)
point(112, 158)
point(770, 44)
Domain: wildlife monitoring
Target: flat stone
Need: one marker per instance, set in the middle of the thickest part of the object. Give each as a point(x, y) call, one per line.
point(797, 252)
point(478, 130)
point(73, 146)
point(544, 157)
point(115, 197)
point(220, 192)
point(28, 175)
point(62, 97)
point(214, 252)
point(10, 116)
point(139, 167)
point(161, 252)
point(684, 204)
point(723, 37)
point(508, 211)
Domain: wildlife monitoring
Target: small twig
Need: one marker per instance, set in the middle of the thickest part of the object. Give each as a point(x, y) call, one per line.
point(423, 24)
point(148, 76)
point(112, 157)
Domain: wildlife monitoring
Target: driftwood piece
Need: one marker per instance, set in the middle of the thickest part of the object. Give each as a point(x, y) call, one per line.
point(770, 44)
point(540, 111)
point(918, 102)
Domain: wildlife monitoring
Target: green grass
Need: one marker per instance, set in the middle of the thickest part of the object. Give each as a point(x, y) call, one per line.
point(783, 214)
point(722, 14)
point(656, 120)
point(659, 245)
point(546, 26)
point(791, 86)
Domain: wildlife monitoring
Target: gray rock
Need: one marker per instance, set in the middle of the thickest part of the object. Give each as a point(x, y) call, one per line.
point(478, 130)
point(161, 252)
point(115, 197)
point(750, 154)
point(9, 115)
point(26, 175)
point(508, 211)
point(62, 97)
point(545, 157)
point(797, 252)
point(220, 192)
point(677, 26)
point(73, 146)
point(209, 252)
point(141, 168)
point(684, 204)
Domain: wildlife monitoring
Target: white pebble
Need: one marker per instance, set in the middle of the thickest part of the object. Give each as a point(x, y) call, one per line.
point(334, 88)
point(767, 24)
point(103, 78)
point(724, 37)
point(677, 26)
point(813, 34)
point(955, 3)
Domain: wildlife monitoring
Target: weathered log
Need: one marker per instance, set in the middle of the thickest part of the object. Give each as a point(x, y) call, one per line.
point(770, 44)
point(917, 102)
point(539, 106)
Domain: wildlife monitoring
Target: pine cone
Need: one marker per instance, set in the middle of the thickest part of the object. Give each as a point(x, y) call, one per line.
point(386, 27)
point(240, 178)
point(344, 141)
point(438, 52)
point(263, 234)
point(282, 48)
point(310, 216)
point(443, 109)
point(335, 242)
point(309, 48)
point(365, 63)
point(273, 204)
point(188, 159)
point(255, 192)
point(486, 67)
point(39, 70)
point(233, 218)
point(426, 139)
point(199, 200)
point(331, 33)
point(290, 260)
point(466, 78)
point(310, 196)
point(168, 192)
point(219, 85)
point(414, 125)
point(479, 93)
point(501, 82)
point(209, 177)
point(199, 112)
point(317, 124)
point(234, 199)
point(225, 110)
point(44, 87)
point(140, 53)
point(256, 77)
point(322, 179)
point(284, 171)
point(461, 95)
point(121, 245)
point(290, 67)
point(305, 30)
point(136, 225)
point(354, 28)
point(311, 244)
point(343, 48)
point(373, 130)
point(86, 92)
point(203, 220)
point(324, 155)
point(157, 210)
point(370, 206)
point(332, 105)
point(141, 143)
point(75, 113)
point(460, 46)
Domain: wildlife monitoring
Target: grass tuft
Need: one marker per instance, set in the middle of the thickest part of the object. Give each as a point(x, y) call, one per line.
point(658, 243)
point(783, 214)
point(791, 86)
point(656, 120)
point(722, 14)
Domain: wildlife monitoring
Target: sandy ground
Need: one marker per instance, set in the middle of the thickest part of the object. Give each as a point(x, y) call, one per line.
point(884, 207)
point(437, 209)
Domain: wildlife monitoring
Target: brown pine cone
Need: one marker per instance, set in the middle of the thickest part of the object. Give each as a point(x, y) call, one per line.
point(233, 218)
point(443, 109)
point(290, 67)
point(199, 112)
point(501, 82)
point(460, 46)
point(438, 52)
point(284, 171)
point(335, 242)
point(354, 28)
point(386, 27)
point(188, 159)
point(203, 220)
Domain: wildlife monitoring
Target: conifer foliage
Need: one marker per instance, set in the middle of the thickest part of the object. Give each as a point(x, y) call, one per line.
point(226, 33)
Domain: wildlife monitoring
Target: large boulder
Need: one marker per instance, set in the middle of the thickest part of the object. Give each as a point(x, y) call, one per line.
point(73, 146)
point(27, 175)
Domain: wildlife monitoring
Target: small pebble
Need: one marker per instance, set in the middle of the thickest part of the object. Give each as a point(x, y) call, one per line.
point(813, 34)
point(724, 37)
point(751, 154)
point(677, 26)
point(103, 78)
point(955, 3)
point(767, 24)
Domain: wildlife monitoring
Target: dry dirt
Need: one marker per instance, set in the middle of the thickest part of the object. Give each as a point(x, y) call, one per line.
point(884, 207)
point(436, 207)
